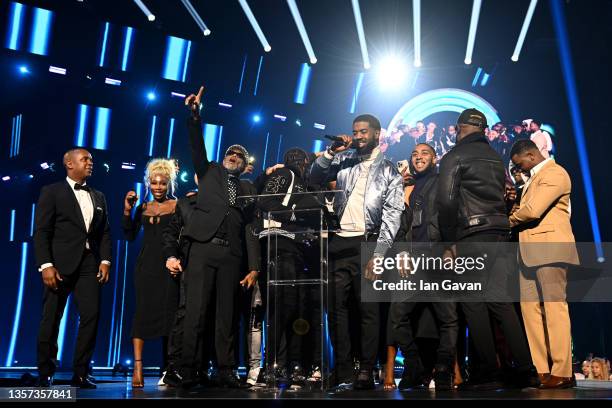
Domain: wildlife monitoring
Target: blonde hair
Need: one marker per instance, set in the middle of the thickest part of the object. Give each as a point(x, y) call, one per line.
point(162, 167)
point(604, 369)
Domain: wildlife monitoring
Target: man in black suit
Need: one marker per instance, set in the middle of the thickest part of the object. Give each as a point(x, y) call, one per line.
point(216, 232)
point(73, 250)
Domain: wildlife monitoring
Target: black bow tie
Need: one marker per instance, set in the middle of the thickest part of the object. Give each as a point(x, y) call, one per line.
point(78, 186)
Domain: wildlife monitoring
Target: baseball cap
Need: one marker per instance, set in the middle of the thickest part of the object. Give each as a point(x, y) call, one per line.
point(473, 117)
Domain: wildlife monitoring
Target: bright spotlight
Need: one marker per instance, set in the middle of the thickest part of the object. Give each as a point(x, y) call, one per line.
point(151, 17)
point(267, 48)
point(514, 58)
point(467, 61)
point(151, 96)
point(417, 63)
point(313, 60)
point(256, 118)
point(207, 32)
point(24, 70)
point(392, 72)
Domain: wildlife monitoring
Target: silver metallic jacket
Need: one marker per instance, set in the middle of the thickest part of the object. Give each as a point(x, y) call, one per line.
point(384, 196)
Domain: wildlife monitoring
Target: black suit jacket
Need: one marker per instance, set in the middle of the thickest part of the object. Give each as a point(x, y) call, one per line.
point(212, 204)
point(60, 233)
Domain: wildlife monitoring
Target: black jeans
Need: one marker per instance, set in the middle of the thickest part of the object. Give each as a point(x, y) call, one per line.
point(84, 284)
point(344, 280)
point(477, 314)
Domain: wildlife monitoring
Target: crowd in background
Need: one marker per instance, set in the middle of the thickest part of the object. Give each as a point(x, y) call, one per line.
point(594, 368)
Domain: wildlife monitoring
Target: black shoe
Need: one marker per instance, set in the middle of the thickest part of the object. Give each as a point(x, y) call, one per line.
point(82, 382)
point(228, 380)
point(45, 381)
point(412, 376)
point(527, 378)
point(172, 378)
point(482, 385)
point(364, 380)
point(443, 378)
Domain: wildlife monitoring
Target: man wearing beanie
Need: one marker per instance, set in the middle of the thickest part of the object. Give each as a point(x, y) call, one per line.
point(217, 234)
point(473, 221)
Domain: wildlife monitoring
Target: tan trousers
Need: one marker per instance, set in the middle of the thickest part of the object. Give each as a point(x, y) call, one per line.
point(546, 318)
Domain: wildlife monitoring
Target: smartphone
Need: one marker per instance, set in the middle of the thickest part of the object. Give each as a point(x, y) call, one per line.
point(402, 165)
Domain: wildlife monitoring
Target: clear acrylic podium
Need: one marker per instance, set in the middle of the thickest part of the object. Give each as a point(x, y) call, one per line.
point(295, 250)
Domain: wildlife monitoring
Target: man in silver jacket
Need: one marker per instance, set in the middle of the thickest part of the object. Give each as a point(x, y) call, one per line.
point(369, 210)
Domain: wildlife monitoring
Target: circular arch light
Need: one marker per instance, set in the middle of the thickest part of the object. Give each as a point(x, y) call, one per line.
point(442, 100)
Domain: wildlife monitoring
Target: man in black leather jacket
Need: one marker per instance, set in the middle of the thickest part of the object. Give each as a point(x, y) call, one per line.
point(472, 214)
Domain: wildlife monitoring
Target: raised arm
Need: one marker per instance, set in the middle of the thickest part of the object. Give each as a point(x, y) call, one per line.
point(196, 141)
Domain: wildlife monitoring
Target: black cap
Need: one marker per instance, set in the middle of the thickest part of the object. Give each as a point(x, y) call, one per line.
point(473, 117)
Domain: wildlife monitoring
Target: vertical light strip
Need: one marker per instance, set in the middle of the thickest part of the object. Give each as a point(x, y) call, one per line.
point(174, 57)
point(257, 79)
point(170, 136)
point(104, 40)
point(317, 145)
point(476, 76)
point(356, 92)
point(572, 95)
point(302, 88)
point(249, 13)
point(18, 138)
point(416, 77)
point(17, 317)
point(152, 137)
point(62, 330)
point(473, 27)
point(40, 34)
point(102, 125)
point(112, 326)
point(12, 228)
point(219, 144)
point(485, 79)
point(186, 63)
point(361, 34)
point(122, 304)
point(416, 17)
point(32, 218)
point(79, 139)
point(242, 75)
point(13, 128)
point(278, 151)
point(211, 141)
point(126, 47)
point(524, 29)
point(15, 30)
point(263, 164)
point(295, 12)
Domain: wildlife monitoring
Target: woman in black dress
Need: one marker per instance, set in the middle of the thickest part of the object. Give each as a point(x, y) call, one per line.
point(157, 289)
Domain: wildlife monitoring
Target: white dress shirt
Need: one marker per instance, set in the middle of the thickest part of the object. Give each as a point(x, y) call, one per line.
point(87, 210)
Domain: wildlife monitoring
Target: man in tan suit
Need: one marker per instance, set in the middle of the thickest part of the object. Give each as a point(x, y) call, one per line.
point(547, 247)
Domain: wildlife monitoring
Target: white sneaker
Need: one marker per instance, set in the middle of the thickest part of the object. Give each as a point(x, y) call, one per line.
point(161, 382)
point(315, 375)
point(253, 375)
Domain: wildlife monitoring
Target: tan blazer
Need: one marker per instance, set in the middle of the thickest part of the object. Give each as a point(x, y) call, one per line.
point(543, 217)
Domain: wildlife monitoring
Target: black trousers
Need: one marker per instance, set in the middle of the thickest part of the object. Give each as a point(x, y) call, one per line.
point(478, 314)
point(345, 279)
point(83, 283)
point(212, 274)
point(401, 316)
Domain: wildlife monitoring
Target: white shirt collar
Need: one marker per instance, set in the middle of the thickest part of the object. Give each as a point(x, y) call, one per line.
point(538, 167)
point(72, 182)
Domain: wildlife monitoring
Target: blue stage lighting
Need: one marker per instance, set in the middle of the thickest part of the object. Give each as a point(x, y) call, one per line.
point(31, 176)
point(151, 96)
point(256, 118)
point(392, 72)
point(184, 176)
point(24, 69)
point(472, 34)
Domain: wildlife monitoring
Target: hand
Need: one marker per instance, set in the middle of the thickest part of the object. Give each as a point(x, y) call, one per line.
point(193, 102)
point(404, 270)
point(248, 169)
point(174, 266)
point(369, 270)
point(50, 277)
point(510, 193)
point(103, 273)
point(250, 280)
point(514, 208)
point(129, 201)
point(450, 253)
point(272, 169)
point(408, 178)
point(347, 141)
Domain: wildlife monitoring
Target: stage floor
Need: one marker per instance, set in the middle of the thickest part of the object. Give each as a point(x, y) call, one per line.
point(119, 387)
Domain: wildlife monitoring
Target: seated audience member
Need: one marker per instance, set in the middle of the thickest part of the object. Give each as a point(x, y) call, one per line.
point(599, 370)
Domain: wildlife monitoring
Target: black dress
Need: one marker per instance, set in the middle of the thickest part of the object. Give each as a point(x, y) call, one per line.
point(157, 292)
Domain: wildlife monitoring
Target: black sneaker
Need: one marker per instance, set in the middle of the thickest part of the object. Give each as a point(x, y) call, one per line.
point(227, 379)
point(443, 378)
point(412, 376)
point(364, 380)
point(172, 378)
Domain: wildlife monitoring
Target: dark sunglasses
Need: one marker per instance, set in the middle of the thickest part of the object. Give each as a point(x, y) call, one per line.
point(229, 153)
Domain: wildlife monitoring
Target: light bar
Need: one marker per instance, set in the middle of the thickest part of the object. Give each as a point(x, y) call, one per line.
point(361, 34)
point(112, 81)
point(128, 166)
point(281, 117)
point(472, 35)
point(196, 17)
point(523, 34)
point(177, 94)
point(300, 26)
point(57, 70)
point(145, 10)
point(319, 126)
point(6, 178)
point(416, 17)
point(225, 105)
point(44, 165)
point(255, 25)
